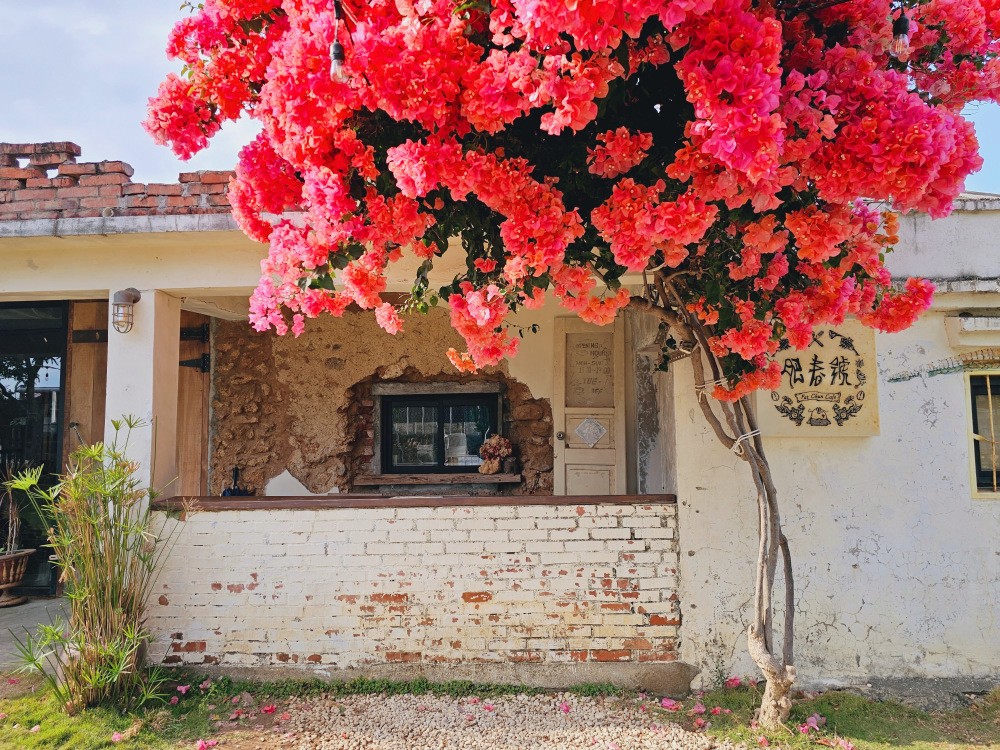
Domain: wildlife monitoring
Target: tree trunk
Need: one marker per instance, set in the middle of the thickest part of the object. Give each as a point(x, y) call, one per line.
point(735, 425)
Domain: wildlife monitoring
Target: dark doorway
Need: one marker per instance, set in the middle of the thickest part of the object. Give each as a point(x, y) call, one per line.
point(32, 379)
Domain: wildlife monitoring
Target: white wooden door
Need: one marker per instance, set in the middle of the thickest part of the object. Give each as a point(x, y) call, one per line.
point(588, 408)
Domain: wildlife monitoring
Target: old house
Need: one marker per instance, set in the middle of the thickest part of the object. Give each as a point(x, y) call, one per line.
point(620, 544)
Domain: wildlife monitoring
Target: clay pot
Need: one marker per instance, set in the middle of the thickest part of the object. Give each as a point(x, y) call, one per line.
point(12, 568)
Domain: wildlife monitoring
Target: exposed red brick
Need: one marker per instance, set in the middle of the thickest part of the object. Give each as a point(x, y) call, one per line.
point(282, 657)
point(196, 188)
point(7, 184)
point(75, 170)
point(210, 659)
point(637, 644)
point(211, 177)
point(103, 179)
point(402, 657)
point(115, 167)
point(477, 596)
point(172, 659)
point(610, 655)
point(141, 201)
point(235, 588)
point(163, 600)
point(136, 188)
point(526, 657)
point(616, 607)
point(57, 182)
point(314, 658)
point(188, 177)
point(160, 188)
point(178, 201)
point(27, 149)
point(216, 587)
point(34, 194)
point(218, 200)
point(190, 647)
point(50, 160)
point(388, 598)
point(77, 192)
point(17, 173)
point(661, 620)
point(99, 202)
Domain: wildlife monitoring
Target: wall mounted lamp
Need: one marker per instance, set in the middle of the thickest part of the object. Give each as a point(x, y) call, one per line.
point(123, 309)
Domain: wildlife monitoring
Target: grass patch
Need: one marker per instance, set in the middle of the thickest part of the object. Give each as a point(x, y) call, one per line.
point(865, 724)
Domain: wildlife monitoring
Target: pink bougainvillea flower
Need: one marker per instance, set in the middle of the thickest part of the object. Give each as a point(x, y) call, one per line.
point(235, 700)
point(116, 737)
point(763, 741)
point(716, 710)
point(36, 728)
point(698, 708)
point(182, 689)
point(206, 684)
point(285, 716)
point(670, 704)
point(564, 707)
point(12, 680)
point(844, 744)
point(733, 682)
point(489, 707)
point(700, 723)
point(473, 700)
point(174, 700)
point(205, 744)
point(270, 708)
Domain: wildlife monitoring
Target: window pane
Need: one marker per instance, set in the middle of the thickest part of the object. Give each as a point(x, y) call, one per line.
point(414, 433)
point(465, 429)
point(987, 449)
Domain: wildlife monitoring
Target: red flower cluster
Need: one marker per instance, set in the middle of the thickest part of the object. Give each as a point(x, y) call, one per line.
point(568, 144)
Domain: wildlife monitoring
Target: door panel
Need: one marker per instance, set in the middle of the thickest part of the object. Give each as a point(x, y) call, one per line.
point(588, 408)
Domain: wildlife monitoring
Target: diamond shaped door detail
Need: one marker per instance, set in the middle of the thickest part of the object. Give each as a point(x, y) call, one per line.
point(591, 431)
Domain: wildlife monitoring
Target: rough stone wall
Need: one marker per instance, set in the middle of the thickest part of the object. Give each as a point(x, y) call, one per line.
point(345, 588)
point(305, 404)
point(45, 181)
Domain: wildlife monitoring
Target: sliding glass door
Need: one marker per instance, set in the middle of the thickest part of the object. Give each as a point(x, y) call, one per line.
point(32, 374)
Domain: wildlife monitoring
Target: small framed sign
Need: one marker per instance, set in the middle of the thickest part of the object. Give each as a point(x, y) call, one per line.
point(830, 388)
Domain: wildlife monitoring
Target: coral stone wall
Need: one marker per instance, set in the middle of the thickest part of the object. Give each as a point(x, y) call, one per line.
point(346, 588)
point(45, 181)
point(304, 404)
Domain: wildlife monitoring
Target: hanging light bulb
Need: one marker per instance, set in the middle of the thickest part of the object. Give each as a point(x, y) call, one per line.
point(900, 35)
point(337, 71)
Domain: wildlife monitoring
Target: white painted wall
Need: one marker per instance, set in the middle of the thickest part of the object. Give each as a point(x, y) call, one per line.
point(898, 568)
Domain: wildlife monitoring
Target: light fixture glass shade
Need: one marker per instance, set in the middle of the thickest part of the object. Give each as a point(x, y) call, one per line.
point(123, 309)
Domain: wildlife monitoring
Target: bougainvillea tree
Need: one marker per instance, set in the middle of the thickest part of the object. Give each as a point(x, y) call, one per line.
point(733, 161)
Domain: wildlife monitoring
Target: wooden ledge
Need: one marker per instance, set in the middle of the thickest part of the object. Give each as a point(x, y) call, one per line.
point(333, 502)
point(378, 480)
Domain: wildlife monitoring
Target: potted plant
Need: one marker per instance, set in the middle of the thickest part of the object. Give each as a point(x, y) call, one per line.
point(13, 559)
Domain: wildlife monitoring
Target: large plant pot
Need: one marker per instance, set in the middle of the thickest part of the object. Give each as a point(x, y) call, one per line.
point(12, 568)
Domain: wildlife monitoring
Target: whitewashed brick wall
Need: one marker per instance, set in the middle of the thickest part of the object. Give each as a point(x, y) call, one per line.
point(355, 587)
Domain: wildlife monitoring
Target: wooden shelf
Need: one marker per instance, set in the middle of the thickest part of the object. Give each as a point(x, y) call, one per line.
point(377, 480)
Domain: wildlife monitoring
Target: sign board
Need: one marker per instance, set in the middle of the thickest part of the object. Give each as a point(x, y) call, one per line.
point(828, 389)
point(589, 373)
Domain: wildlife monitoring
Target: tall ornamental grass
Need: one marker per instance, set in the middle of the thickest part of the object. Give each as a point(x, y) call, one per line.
point(108, 549)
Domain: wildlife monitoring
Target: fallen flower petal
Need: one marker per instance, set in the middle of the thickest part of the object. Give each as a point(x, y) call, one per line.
point(763, 741)
point(489, 707)
point(36, 728)
point(116, 737)
point(285, 716)
point(564, 707)
point(733, 682)
point(670, 704)
point(174, 700)
point(269, 709)
point(700, 723)
point(699, 708)
point(716, 710)
point(182, 689)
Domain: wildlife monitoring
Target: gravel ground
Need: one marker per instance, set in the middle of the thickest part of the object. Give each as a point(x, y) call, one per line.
point(520, 722)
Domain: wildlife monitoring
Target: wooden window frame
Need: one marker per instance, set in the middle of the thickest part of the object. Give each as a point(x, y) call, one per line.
point(981, 383)
point(439, 401)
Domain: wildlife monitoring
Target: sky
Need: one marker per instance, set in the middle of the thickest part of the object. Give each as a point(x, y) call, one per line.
point(83, 70)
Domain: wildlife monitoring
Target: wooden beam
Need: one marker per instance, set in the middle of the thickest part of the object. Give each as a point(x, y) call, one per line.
point(378, 480)
point(333, 502)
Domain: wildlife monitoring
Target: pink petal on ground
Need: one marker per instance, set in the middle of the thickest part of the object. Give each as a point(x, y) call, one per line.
point(270, 708)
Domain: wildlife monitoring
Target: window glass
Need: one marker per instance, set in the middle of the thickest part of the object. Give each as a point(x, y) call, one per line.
point(414, 435)
point(434, 433)
point(986, 426)
point(465, 428)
